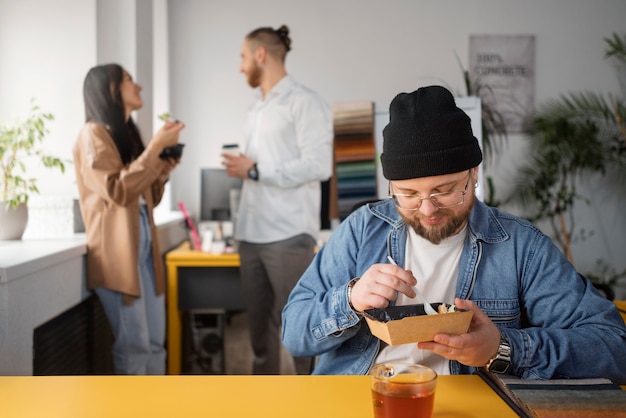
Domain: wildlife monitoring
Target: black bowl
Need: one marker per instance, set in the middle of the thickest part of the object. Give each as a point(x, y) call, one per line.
point(175, 151)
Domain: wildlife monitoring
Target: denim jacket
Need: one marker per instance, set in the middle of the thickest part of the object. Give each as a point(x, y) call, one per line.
point(557, 324)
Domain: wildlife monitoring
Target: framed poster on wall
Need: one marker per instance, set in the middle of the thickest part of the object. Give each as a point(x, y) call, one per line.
point(504, 65)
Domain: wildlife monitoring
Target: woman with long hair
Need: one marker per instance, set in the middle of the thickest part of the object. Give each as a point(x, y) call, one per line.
point(120, 180)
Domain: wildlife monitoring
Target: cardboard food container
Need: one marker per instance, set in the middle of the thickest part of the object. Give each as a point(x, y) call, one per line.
point(410, 324)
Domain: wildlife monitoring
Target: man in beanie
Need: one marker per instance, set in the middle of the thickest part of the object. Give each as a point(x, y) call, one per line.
point(534, 316)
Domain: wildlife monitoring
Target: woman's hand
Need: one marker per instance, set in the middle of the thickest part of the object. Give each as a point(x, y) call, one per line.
point(167, 136)
point(168, 166)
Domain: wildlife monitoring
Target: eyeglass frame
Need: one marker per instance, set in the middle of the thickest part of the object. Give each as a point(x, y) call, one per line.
point(430, 197)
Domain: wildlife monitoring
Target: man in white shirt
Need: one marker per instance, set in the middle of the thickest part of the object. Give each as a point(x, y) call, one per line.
point(287, 153)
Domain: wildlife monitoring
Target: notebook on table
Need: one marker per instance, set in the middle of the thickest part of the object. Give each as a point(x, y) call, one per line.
point(559, 398)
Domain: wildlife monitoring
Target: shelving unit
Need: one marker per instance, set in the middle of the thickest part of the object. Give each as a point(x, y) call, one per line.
point(354, 178)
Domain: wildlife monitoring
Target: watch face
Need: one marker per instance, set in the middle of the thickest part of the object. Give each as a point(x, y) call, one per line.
point(253, 174)
point(499, 366)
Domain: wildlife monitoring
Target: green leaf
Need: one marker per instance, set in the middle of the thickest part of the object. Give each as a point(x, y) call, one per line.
point(20, 141)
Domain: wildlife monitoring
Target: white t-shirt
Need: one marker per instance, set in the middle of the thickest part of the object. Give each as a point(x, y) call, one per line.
point(436, 268)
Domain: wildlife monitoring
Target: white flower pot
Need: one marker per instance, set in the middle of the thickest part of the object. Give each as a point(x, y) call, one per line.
point(13, 221)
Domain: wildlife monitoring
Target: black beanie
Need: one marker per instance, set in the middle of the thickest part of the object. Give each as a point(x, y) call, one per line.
point(427, 135)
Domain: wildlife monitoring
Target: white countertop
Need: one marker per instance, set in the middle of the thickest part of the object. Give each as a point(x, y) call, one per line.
point(20, 258)
point(23, 257)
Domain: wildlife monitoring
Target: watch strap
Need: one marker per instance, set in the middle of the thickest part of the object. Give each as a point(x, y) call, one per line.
point(501, 362)
point(351, 284)
point(253, 173)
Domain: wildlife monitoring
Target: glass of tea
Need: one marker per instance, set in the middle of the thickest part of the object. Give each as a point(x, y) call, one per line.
point(403, 390)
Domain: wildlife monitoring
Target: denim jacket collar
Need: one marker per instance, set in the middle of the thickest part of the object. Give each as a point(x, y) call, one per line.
point(483, 226)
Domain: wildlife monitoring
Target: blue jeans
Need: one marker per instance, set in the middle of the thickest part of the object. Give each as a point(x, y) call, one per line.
point(139, 329)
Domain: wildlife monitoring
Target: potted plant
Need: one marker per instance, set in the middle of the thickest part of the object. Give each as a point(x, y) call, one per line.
point(570, 137)
point(20, 142)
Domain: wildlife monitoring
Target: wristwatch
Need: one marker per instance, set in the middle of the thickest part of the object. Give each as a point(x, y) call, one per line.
point(351, 284)
point(253, 173)
point(501, 362)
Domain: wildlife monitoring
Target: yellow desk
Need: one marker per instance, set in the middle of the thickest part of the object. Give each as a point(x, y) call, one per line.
point(226, 397)
point(183, 257)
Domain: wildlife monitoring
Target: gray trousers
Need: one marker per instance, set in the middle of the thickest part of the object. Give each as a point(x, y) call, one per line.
point(268, 274)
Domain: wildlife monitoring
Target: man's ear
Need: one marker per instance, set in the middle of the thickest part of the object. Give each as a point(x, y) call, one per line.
point(260, 55)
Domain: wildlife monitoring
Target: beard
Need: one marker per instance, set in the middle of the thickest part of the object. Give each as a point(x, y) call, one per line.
point(254, 76)
point(438, 233)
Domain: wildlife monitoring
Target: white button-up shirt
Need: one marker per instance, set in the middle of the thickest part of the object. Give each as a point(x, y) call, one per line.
point(290, 136)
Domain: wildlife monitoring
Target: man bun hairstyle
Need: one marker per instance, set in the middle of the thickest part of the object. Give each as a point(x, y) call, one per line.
point(275, 41)
point(283, 34)
point(427, 135)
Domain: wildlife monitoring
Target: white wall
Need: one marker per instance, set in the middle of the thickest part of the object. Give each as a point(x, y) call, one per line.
point(46, 48)
point(344, 49)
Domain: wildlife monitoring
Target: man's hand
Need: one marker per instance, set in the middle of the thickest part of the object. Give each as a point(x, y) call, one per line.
point(237, 165)
point(474, 348)
point(380, 285)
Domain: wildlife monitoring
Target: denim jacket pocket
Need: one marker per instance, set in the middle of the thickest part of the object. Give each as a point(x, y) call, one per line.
point(504, 313)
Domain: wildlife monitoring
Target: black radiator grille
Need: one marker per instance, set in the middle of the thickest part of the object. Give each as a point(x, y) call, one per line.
point(76, 342)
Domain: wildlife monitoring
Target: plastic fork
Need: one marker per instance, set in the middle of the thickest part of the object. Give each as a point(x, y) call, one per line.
point(427, 306)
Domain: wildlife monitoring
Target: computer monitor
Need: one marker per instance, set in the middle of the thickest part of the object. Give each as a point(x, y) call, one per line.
point(215, 194)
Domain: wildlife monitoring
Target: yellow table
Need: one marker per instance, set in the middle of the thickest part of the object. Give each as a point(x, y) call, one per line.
point(226, 396)
point(183, 256)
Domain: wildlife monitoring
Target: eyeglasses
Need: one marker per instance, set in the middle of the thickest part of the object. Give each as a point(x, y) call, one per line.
point(440, 200)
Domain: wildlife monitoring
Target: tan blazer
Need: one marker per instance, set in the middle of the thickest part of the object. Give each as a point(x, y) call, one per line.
point(109, 200)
